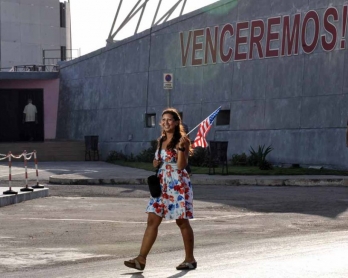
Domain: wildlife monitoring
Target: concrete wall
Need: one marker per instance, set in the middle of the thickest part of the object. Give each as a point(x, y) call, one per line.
point(28, 27)
point(50, 98)
point(296, 102)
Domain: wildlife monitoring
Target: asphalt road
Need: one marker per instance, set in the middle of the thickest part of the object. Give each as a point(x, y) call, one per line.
point(247, 231)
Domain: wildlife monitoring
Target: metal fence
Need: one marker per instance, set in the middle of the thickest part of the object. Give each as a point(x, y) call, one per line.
point(53, 56)
point(35, 68)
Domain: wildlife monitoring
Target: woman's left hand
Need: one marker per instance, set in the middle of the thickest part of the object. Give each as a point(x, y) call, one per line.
point(184, 142)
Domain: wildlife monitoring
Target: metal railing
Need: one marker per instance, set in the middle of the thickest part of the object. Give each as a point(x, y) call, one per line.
point(53, 56)
point(50, 59)
point(35, 68)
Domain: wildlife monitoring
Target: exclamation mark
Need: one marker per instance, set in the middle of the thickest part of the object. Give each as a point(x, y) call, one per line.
point(343, 41)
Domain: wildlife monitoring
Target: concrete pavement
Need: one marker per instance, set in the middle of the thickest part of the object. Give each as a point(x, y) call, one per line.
point(98, 172)
point(87, 231)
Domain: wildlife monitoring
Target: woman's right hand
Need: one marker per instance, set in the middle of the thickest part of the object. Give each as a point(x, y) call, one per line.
point(156, 163)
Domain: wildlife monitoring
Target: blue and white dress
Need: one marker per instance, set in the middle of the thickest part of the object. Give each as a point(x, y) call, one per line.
point(177, 196)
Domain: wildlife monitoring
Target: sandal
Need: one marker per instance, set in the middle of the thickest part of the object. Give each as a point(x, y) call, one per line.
point(134, 263)
point(187, 266)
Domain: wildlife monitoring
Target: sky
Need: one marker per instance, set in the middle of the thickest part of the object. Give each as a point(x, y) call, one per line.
point(91, 23)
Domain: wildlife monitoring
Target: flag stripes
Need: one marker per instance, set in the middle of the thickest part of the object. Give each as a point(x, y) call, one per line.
point(204, 127)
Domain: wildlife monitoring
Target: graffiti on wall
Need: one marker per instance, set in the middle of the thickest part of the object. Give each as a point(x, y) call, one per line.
point(277, 36)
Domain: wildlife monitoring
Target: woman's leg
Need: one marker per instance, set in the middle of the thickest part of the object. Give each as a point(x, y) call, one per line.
point(150, 235)
point(188, 238)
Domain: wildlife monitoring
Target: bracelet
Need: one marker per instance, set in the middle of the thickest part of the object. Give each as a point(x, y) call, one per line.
point(182, 149)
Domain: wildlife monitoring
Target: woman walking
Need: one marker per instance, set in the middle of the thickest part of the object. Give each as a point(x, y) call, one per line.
point(176, 199)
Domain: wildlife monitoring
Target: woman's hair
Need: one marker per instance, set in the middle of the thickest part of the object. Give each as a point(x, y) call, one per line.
point(179, 129)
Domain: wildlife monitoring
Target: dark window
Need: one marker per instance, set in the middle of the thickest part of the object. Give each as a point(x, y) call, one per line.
point(223, 118)
point(62, 15)
point(150, 120)
point(63, 53)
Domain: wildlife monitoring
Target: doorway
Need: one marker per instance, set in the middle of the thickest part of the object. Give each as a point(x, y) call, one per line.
point(12, 103)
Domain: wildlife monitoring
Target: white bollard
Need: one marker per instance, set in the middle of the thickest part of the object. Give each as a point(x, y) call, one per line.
point(26, 188)
point(9, 191)
point(37, 173)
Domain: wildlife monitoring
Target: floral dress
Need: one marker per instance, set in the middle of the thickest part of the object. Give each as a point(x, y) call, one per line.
point(176, 199)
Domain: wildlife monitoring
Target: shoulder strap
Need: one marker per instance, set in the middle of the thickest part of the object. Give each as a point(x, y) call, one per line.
point(160, 148)
point(159, 154)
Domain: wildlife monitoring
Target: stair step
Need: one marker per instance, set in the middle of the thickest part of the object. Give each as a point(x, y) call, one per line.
point(48, 150)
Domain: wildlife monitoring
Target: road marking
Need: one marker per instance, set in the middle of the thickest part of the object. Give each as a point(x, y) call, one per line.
point(64, 170)
point(141, 222)
point(78, 171)
point(85, 220)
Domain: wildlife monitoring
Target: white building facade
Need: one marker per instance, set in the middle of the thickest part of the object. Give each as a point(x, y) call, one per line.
point(34, 32)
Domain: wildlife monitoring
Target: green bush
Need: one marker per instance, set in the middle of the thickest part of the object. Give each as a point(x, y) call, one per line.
point(252, 160)
point(265, 165)
point(115, 155)
point(200, 157)
point(260, 157)
point(148, 155)
point(131, 158)
point(239, 159)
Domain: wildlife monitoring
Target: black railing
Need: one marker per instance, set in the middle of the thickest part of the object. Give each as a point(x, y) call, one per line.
point(53, 56)
point(35, 68)
point(218, 155)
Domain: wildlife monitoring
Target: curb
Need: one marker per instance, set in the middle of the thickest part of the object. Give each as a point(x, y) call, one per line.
point(208, 181)
point(6, 200)
point(274, 182)
point(133, 181)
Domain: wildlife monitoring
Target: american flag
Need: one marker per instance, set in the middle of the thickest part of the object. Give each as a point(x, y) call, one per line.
point(204, 127)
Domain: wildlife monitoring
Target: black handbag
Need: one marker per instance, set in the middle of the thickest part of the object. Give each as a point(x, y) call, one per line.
point(153, 181)
point(154, 186)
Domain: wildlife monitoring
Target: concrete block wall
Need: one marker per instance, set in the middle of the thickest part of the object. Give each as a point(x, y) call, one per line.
point(296, 103)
